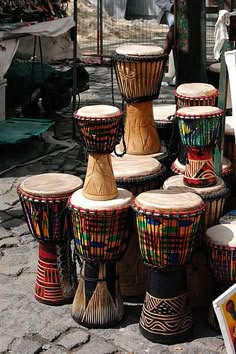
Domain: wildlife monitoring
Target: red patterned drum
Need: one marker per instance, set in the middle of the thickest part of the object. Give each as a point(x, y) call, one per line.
point(195, 94)
point(44, 199)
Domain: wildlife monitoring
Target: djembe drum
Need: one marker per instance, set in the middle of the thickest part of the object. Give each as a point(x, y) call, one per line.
point(137, 174)
point(44, 199)
point(100, 128)
point(195, 94)
point(167, 224)
point(221, 245)
point(198, 128)
point(139, 71)
point(101, 232)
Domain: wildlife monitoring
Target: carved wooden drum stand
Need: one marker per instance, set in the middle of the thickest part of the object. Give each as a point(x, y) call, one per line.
point(44, 199)
point(198, 128)
point(139, 71)
point(167, 224)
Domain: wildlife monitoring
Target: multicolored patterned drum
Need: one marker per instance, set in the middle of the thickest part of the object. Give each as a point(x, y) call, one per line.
point(167, 224)
point(195, 94)
point(100, 128)
point(44, 199)
point(137, 175)
point(221, 245)
point(198, 128)
point(139, 71)
point(101, 232)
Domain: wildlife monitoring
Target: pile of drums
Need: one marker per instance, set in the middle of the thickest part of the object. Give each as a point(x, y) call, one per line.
point(132, 238)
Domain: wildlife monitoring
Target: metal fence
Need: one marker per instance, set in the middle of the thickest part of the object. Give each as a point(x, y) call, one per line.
point(100, 34)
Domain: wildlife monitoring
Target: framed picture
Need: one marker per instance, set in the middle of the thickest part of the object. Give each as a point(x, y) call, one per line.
point(225, 309)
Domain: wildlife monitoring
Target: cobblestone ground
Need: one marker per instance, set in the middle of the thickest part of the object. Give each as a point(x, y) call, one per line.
point(27, 326)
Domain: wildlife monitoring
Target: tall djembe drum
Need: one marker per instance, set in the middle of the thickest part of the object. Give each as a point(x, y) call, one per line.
point(198, 128)
point(168, 223)
point(44, 199)
point(100, 221)
point(139, 71)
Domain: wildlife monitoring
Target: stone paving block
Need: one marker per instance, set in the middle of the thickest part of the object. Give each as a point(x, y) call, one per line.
point(16, 211)
point(3, 206)
point(25, 346)
point(55, 350)
point(4, 233)
point(9, 242)
point(73, 339)
point(4, 217)
point(12, 223)
point(5, 341)
point(55, 329)
point(97, 346)
point(20, 230)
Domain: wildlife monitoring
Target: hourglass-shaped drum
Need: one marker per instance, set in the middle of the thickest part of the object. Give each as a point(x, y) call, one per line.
point(44, 200)
point(198, 128)
point(139, 72)
point(100, 128)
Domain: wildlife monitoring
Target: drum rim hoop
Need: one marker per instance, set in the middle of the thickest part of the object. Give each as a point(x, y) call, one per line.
point(200, 210)
point(147, 178)
point(190, 116)
point(43, 199)
point(202, 97)
point(116, 57)
point(108, 119)
point(211, 244)
point(100, 212)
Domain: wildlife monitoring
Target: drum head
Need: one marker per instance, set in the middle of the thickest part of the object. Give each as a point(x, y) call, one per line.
point(51, 185)
point(163, 112)
point(169, 201)
point(98, 111)
point(198, 111)
point(139, 50)
point(129, 167)
point(77, 200)
point(196, 89)
point(177, 182)
point(223, 234)
point(229, 125)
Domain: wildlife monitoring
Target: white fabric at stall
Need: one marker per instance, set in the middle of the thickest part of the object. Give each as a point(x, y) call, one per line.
point(230, 60)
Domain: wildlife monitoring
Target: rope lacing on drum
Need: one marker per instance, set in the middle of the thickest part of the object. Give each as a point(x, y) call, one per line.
point(121, 136)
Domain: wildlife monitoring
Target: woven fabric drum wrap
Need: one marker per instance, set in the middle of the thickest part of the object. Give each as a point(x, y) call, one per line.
point(199, 126)
point(139, 77)
point(166, 316)
point(195, 94)
point(100, 134)
point(101, 235)
point(221, 245)
point(44, 201)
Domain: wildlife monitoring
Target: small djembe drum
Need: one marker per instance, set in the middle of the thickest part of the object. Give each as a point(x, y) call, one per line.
point(214, 197)
point(101, 232)
point(167, 224)
point(195, 94)
point(137, 174)
point(199, 127)
point(139, 71)
point(221, 245)
point(100, 128)
point(44, 199)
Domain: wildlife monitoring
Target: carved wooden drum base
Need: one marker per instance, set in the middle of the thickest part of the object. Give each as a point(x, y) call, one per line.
point(166, 316)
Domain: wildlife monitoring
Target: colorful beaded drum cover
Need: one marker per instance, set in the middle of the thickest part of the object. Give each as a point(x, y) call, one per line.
point(221, 244)
point(167, 226)
point(195, 94)
point(198, 128)
point(44, 200)
point(166, 236)
point(100, 230)
point(139, 71)
point(100, 127)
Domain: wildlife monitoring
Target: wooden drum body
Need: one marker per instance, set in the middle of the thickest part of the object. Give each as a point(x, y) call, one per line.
point(101, 128)
point(167, 225)
point(139, 72)
point(101, 232)
point(198, 128)
point(44, 199)
point(137, 174)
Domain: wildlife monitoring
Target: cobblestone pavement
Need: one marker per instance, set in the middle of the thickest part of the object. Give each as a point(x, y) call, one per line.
point(27, 326)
